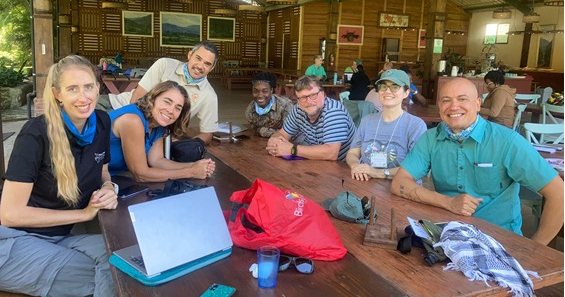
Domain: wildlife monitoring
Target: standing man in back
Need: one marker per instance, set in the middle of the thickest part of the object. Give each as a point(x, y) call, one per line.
point(192, 75)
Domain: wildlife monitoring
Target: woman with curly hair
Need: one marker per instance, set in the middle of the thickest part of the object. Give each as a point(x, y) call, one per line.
point(143, 125)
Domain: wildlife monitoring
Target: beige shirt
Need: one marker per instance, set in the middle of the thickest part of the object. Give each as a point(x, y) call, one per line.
point(203, 98)
point(499, 106)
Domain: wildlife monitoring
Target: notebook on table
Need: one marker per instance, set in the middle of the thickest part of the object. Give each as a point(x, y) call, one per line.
point(175, 235)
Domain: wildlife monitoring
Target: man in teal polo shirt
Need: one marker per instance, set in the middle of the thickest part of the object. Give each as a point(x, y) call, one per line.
point(478, 166)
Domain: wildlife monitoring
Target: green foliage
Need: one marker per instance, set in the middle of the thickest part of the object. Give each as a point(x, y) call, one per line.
point(15, 31)
point(10, 77)
point(453, 58)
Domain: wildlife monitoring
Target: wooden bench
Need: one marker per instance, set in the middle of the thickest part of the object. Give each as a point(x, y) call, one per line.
point(241, 82)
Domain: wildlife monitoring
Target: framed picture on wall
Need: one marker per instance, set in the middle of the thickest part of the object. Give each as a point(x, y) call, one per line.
point(221, 29)
point(350, 35)
point(180, 29)
point(393, 20)
point(422, 38)
point(137, 23)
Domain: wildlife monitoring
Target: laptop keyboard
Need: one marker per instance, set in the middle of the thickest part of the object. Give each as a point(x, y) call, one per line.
point(138, 260)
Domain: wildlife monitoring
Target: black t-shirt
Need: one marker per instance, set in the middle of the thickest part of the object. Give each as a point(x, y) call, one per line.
point(359, 82)
point(30, 162)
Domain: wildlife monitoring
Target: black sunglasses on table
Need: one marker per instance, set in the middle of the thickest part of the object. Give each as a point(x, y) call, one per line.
point(302, 265)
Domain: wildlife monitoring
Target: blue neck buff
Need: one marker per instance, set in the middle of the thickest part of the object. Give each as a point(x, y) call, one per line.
point(464, 134)
point(87, 136)
point(264, 110)
point(189, 78)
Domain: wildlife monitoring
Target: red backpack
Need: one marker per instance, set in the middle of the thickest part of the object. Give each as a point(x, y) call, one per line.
point(295, 224)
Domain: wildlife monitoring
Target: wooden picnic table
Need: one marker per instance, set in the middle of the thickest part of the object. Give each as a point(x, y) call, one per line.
point(320, 180)
point(347, 277)
point(117, 84)
point(429, 113)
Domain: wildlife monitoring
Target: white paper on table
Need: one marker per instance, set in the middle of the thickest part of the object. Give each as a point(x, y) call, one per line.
point(418, 229)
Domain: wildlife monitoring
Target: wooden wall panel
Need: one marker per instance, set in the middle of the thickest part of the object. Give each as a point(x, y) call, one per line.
point(99, 32)
point(366, 13)
point(278, 34)
point(315, 18)
point(457, 20)
point(283, 38)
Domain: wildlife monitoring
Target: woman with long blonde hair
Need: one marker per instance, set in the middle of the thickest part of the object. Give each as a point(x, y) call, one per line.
point(58, 176)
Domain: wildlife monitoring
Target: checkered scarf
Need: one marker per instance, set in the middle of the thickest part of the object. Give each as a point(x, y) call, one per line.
point(480, 257)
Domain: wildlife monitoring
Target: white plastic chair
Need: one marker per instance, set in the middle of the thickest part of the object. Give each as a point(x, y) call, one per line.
point(344, 96)
point(548, 118)
point(518, 117)
point(545, 93)
point(542, 129)
point(530, 98)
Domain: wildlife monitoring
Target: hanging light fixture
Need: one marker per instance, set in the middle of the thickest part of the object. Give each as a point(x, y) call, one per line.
point(225, 11)
point(251, 7)
point(282, 2)
point(552, 3)
point(531, 17)
point(502, 13)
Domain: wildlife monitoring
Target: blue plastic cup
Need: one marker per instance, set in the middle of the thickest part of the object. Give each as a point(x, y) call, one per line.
point(268, 262)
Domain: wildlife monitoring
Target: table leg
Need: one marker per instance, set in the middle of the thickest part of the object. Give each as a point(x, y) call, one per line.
point(111, 87)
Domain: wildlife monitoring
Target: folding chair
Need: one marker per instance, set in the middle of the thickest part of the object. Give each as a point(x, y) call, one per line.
point(548, 118)
point(542, 129)
point(530, 98)
point(545, 93)
point(518, 117)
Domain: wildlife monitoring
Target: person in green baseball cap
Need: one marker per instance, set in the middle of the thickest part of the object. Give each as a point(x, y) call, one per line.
point(384, 139)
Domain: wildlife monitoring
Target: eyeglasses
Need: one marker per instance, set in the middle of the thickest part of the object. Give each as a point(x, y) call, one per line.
point(489, 83)
point(392, 87)
point(302, 265)
point(311, 97)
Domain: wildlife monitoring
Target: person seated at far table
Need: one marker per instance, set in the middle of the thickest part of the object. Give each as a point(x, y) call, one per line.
point(478, 166)
point(322, 125)
point(383, 139)
point(353, 67)
point(414, 96)
point(359, 84)
point(499, 105)
point(267, 110)
point(137, 137)
point(386, 66)
point(373, 95)
point(316, 69)
point(58, 176)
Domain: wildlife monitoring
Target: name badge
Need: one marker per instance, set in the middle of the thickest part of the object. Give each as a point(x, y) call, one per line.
point(379, 159)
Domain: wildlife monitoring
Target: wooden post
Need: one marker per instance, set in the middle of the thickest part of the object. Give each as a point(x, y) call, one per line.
point(43, 45)
point(526, 45)
point(435, 29)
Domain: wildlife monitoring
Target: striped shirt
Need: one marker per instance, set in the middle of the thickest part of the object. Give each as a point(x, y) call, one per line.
point(333, 125)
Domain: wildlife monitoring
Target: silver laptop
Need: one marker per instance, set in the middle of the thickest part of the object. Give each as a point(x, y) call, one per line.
point(176, 230)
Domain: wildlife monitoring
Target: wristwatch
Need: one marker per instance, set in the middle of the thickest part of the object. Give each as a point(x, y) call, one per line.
point(115, 185)
point(293, 150)
point(386, 173)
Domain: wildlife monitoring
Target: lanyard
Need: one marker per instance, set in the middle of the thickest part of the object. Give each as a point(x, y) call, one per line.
point(392, 134)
